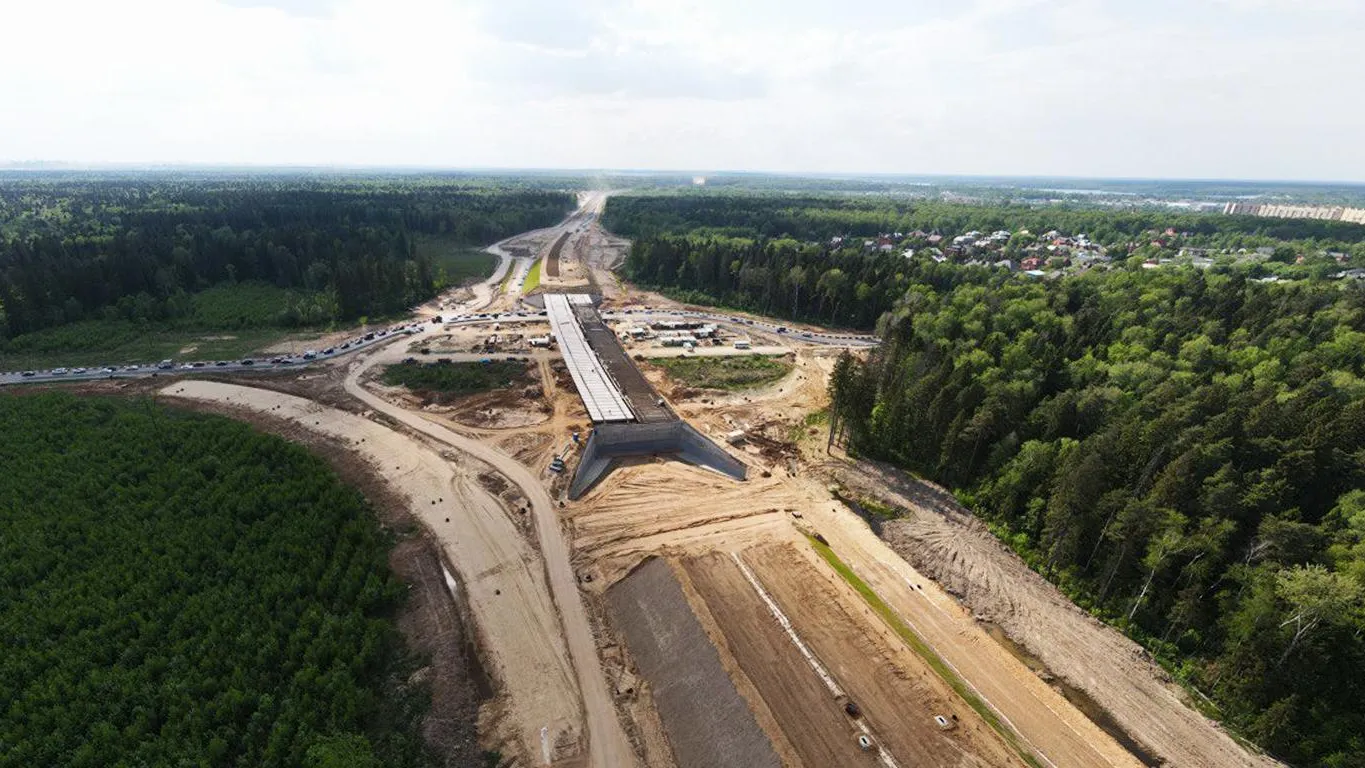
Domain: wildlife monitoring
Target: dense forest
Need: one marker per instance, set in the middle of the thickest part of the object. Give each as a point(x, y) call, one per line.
point(139, 247)
point(1182, 451)
point(841, 286)
point(182, 590)
point(816, 217)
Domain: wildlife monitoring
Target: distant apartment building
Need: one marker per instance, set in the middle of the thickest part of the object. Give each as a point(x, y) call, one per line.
point(1272, 210)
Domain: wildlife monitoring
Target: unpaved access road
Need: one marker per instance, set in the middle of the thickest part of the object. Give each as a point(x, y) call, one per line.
point(807, 715)
point(518, 628)
point(607, 743)
point(898, 693)
point(945, 541)
point(1060, 734)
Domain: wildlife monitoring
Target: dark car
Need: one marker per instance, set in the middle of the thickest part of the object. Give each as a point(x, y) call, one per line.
point(248, 361)
point(221, 363)
point(369, 337)
point(276, 360)
point(30, 373)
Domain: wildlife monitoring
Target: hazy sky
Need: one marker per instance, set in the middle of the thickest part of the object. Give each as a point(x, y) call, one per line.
point(1151, 88)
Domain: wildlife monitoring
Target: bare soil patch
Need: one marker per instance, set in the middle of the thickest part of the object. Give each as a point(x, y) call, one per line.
point(499, 409)
point(809, 717)
point(947, 543)
point(707, 722)
point(899, 694)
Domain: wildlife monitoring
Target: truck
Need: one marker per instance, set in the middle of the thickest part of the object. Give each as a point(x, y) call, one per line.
point(166, 365)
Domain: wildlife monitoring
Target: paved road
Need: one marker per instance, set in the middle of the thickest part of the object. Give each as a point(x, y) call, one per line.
point(482, 297)
point(274, 363)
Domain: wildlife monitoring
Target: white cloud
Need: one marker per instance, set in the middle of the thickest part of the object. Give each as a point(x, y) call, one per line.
point(1261, 88)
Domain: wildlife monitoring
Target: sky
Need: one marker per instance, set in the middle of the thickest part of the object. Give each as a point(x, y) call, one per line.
point(1258, 89)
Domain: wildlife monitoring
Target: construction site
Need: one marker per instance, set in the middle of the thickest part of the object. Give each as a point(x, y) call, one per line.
point(664, 575)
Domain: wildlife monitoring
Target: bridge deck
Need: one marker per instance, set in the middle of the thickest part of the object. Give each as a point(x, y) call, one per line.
point(601, 396)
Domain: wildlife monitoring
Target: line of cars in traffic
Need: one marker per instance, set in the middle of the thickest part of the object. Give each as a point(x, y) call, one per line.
point(371, 337)
point(170, 366)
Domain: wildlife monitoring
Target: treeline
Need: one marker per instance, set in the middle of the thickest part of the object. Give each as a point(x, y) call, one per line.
point(181, 590)
point(816, 217)
point(842, 286)
point(1182, 452)
point(137, 248)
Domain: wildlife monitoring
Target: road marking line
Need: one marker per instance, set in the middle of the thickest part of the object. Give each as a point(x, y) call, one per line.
point(886, 758)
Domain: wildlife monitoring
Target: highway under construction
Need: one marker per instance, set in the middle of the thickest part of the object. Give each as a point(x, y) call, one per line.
point(664, 616)
point(629, 418)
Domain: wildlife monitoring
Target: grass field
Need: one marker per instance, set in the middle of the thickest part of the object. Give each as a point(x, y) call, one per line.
point(532, 278)
point(736, 372)
point(454, 378)
point(255, 305)
point(109, 343)
point(455, 262)
point(225, 321)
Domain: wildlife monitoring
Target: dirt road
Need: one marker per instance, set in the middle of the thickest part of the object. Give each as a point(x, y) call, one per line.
point(608, 746)
point(810, 718)
point(945, 541)
point(517, 624)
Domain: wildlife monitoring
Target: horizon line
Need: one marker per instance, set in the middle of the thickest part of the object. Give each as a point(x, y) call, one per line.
point(63, 165)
